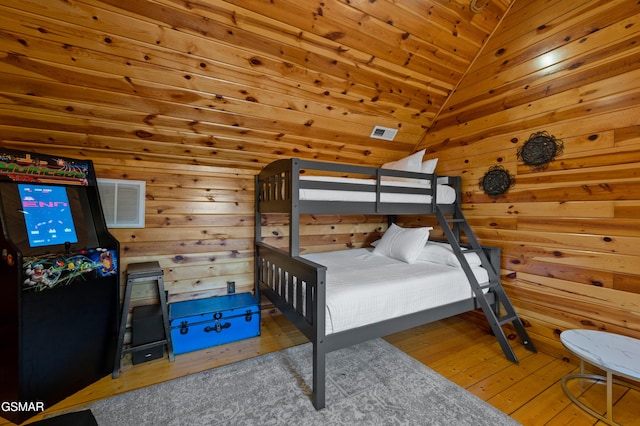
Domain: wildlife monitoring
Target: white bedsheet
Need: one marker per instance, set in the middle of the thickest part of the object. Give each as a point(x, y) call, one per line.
point(364, 288)
point(444, 195)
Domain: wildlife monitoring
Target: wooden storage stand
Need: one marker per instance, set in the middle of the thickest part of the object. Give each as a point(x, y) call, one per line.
point(145, 271)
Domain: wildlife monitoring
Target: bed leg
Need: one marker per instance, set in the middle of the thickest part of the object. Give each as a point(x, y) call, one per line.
point(319, 366)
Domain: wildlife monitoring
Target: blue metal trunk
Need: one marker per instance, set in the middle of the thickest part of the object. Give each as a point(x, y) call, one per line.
point(203, 323)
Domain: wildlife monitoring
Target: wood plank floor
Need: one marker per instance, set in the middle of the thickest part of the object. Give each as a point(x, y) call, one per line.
point(530, 392)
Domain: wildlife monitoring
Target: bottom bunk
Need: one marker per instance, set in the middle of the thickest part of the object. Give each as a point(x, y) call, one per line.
point(338, 299)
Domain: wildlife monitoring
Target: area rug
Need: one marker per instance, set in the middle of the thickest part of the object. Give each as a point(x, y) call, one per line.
point(372, 383)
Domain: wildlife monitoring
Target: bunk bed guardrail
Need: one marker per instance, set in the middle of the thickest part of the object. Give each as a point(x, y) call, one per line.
point(298, 287)
point(279, 184)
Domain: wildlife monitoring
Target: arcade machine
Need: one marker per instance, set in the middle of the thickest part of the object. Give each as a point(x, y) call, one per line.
point(59, 282)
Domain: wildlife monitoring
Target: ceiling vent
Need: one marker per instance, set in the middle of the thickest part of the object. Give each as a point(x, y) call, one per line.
point(385, 133)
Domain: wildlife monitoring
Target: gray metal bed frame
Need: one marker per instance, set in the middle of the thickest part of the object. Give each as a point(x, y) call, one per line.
point(278, 273)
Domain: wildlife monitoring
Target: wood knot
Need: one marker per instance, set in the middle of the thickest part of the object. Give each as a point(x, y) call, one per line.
point(143, 134)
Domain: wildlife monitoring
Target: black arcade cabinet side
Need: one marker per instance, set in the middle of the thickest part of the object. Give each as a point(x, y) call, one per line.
point(59, 282)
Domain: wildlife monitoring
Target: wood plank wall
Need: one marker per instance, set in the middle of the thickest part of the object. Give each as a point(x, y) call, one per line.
point(570, 233)
point(199, 226)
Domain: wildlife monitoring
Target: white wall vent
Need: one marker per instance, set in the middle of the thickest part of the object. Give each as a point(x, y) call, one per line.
point(123, 202)
point(385, 133)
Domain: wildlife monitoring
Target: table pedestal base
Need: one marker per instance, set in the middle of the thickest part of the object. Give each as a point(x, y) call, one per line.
point(609, 382)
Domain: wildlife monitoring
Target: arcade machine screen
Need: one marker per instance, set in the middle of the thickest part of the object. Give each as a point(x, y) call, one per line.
point(47, 215)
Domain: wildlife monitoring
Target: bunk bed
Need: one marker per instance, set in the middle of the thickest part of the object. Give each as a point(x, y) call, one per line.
point(304, 287)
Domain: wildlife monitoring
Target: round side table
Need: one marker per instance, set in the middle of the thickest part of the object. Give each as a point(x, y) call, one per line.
point(615, 354)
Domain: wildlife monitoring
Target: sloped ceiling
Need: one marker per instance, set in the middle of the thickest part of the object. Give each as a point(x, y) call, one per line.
point(233, 83)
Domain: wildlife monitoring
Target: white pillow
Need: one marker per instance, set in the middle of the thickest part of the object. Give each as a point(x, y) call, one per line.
point(442, 253)
point(411, 163)
point(429, 166)
point(403, 244)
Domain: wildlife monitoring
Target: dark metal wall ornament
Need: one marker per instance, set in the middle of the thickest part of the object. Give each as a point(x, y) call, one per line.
point(539, 150)
point(496, 181)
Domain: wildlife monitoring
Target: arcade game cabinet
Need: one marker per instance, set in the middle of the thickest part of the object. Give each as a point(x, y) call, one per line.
point(59, 282)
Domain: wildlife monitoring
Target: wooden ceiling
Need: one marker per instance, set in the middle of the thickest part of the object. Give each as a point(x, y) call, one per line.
point(235, 83)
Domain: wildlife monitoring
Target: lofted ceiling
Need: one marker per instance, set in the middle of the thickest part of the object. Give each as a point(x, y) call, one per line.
point(234, 83)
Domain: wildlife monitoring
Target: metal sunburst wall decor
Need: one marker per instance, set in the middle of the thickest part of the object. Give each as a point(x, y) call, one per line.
point(496, 181)
point(539, 150)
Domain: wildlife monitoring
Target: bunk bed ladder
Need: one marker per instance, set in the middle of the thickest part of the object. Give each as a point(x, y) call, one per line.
point(454, 226)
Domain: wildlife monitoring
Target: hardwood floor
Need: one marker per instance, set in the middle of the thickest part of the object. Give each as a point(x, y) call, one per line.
point(530, 392)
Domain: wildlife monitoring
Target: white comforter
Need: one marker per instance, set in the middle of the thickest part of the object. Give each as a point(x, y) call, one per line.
point(363, 288)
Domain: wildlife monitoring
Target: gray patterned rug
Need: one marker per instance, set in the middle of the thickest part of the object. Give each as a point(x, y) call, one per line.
point(371, 383)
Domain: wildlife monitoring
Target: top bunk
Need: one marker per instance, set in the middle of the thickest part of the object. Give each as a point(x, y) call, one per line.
point(297, 186)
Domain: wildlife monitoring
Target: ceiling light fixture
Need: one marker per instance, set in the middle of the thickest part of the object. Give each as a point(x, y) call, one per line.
point(477, 8)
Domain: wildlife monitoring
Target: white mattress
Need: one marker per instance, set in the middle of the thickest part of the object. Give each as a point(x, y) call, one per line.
point(364, 288)
point(444, 194)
